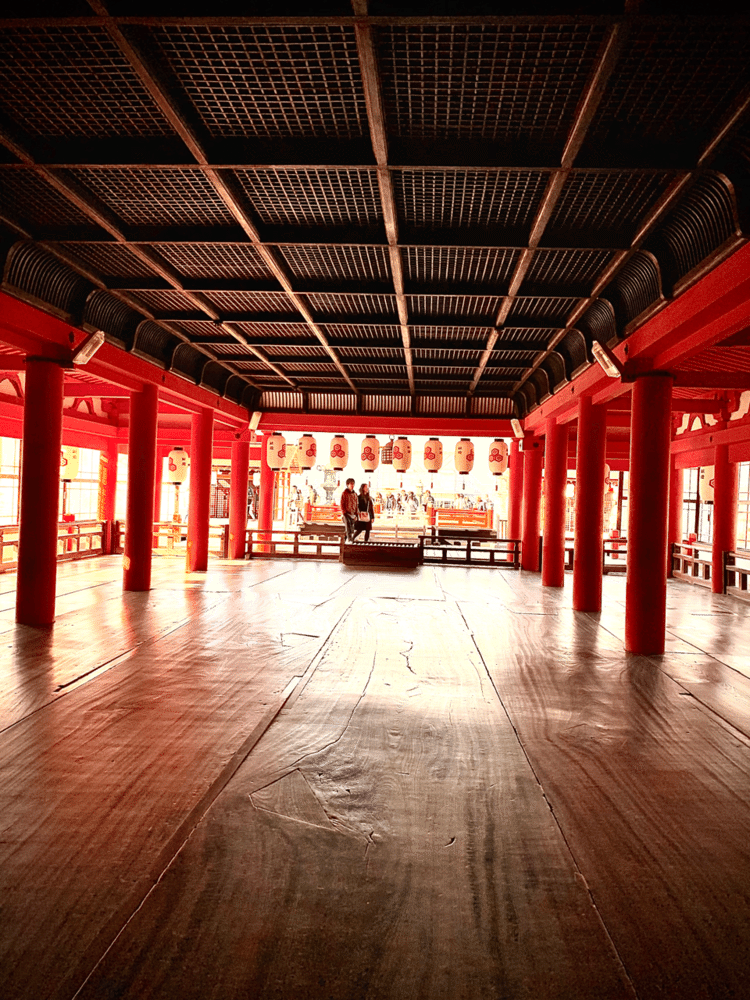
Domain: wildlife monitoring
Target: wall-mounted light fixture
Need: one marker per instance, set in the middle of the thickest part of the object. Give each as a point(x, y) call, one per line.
point(88, 348)
point(608, 362)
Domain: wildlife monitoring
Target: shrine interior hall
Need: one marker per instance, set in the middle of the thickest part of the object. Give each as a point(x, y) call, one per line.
point(265, 776)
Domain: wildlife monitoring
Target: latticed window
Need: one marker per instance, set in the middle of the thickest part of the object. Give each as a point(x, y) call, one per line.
point(743, 507)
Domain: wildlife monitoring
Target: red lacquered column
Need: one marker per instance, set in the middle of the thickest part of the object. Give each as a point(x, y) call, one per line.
point(40, 490)
point(238, 499)
point(201, 451)
point(676, 489)
point(161, 454)
point(265, 498)
point(139, 524)
point(589, 523)
point(515, 490)
point(532, 487)
point(109, 493)
point(555, 476)
point(648, 503)
point(726, 492)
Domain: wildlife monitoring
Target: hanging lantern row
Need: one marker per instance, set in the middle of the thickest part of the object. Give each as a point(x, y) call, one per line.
point(69, 463)
point(396, 453)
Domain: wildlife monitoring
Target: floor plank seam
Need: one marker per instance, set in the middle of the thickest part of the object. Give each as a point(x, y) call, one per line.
point(579, 874)
point(179, 839)
point(314, 753)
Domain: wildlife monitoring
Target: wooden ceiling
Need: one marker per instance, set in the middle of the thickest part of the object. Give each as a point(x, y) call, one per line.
point(389, 209)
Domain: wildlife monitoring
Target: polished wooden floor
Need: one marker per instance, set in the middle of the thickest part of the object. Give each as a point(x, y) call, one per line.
point(301, 780)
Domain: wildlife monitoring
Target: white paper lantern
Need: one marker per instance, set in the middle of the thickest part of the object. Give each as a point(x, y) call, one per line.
point(370, 453)
point(69, 462)
point(339, 452)
point(307, 451)
point(498, 457)
point(276, 450)
point(401, 454)
point(706, 484)
point(464, 456)
point(177, 465)
point(433, 455)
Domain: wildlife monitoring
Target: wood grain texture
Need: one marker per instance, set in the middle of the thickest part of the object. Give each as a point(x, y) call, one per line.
point(471, 790)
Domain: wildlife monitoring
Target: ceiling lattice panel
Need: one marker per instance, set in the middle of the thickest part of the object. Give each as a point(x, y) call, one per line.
point(275, 80)
point(64, 80)
point(313, 197)
point(516, 84)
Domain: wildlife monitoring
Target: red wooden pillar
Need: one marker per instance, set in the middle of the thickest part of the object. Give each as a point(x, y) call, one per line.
point(238, 499)
point(265, 494)
point(589, 523)
point(555, 476)
point(161, 454)
point(109, 493)
point(139, 523)
point(265, 499)
point(201, 452)
point(676, 490)
point(109, 486)
point(40, 489)
point(515, 490)
point(726, 492)
point(532, 487)
point(648, 503)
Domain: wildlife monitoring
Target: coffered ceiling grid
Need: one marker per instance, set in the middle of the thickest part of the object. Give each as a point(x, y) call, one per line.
point(352, 198)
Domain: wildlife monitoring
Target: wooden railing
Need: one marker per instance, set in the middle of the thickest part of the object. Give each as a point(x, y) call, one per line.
point(455, 518)
point(691, 562)
point(737, 574)
point(290, 545)
point(75, 540)
point(502, 553)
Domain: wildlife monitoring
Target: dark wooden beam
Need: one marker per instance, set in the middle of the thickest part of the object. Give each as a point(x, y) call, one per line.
point(376, 119)
point(609, 53)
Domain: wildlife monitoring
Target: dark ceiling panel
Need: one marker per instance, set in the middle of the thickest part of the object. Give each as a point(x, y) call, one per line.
point(275, 80)
point(447, 199)
point(313, 197)
point(515, 84)
point(65, 80)
point(214, 260)
point(158, 197)
point(674, 82)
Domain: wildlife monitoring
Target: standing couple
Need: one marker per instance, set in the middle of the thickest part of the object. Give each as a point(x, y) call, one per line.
point(358, 511)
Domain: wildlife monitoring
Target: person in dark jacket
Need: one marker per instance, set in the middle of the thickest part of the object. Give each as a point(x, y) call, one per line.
point(365, 513)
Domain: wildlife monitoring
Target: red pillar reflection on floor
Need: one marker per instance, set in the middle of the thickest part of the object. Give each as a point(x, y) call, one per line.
point(726, 492)
point(532, 487)
point(139, 524)
point(240, 477)
point(648, 502)
point(40, 490)
point(265, 498)
point(201, 451)
point(676, 490)
point(555, 477)
point(589, 518)
point(515, 490)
